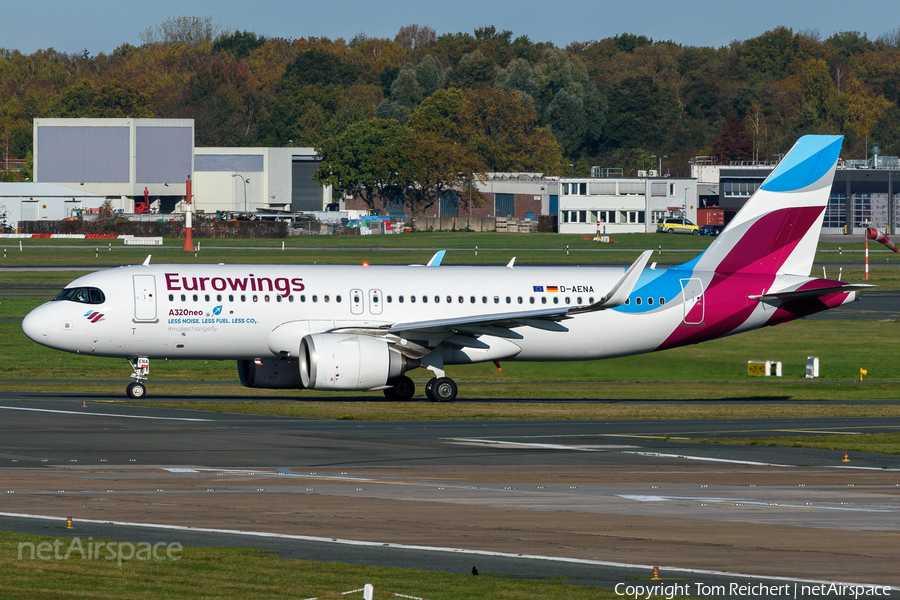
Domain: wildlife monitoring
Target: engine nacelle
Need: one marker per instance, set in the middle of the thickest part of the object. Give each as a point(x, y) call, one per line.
point(270, 374)
point(336, 361)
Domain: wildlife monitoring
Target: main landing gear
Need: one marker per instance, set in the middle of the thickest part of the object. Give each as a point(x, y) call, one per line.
point(403, 391)
point(438, 389)
point(441, 389)
point(141, 367)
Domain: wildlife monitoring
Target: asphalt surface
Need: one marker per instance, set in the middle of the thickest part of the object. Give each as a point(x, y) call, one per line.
point(624, 470)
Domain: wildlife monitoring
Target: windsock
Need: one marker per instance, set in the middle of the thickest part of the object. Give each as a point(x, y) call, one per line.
point(874, 234)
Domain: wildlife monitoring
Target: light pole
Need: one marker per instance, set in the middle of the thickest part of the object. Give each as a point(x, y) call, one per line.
point(245, 182)
point(659, 173)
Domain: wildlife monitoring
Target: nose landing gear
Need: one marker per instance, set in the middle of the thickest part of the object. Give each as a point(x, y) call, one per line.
point(141, 367)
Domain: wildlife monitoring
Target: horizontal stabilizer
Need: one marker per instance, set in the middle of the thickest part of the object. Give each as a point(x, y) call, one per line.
point(810, 294)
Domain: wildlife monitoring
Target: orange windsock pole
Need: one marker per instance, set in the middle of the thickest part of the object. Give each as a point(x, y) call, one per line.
point(188, 238)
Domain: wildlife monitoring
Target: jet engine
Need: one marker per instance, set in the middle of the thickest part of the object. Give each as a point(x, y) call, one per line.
point(336, 361)
point(270, 374)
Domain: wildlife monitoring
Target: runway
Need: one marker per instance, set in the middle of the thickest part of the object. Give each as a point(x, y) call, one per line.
point(600, 502)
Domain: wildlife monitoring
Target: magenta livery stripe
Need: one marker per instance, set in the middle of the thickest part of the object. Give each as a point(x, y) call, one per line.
point(97, 318)
point(770, 240)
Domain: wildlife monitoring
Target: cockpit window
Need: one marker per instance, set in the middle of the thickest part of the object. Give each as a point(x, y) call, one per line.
point(82, 294)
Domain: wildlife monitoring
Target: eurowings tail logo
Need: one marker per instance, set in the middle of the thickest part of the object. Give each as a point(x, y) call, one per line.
point(93, 316)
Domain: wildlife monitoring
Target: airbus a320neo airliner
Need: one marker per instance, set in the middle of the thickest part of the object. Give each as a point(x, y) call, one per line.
point(355, 328)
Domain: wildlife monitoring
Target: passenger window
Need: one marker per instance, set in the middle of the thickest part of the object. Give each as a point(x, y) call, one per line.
point(437, 299)
point(567, 300)
point(461, 300)
point(578, 300)
point(555, 299)
point(267, 297)
point(278, 298)
point(218, 297)
point(508, 300)
point(400, 299)
point(637, 301)
point(650, 301)
point(243, 298)
point(484, 299)
point(424, 298)
point(206, 297)
point(302, 297)
point(449, 300)
point(231, 297)
point(255, 298)
point(496, 299)
point(291, 298)
point(531, 300)
point(472, 299)
point(315, 298)
point(183, 297)
point(520, 299)
point(337, 299)
point(171, 297)
point(389, 299)
point(543, 300)
point(662, 301)
point(627, 301)
point(195, 297)
point(328, 299)
point(412, 298)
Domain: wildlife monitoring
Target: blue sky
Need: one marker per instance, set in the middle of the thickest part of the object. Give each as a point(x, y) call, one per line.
point(103, 25)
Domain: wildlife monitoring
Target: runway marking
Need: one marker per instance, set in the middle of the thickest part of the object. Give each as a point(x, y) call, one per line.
point(751, 502)
point(706, 458)
point(583, 448)
point(562, 559)
point(93, 414)
point(819, 431)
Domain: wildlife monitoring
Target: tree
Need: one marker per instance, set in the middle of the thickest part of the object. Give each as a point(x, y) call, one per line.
point(188, 30)
point(429, 167)
point(363, 161)
point(239, 44)
point(733, 142)
point(416, 37)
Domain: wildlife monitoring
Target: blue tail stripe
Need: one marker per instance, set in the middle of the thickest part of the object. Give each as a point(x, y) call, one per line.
point(805, 164)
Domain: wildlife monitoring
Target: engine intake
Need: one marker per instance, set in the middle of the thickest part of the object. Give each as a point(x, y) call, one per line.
point(335, 361)
point(270, 374)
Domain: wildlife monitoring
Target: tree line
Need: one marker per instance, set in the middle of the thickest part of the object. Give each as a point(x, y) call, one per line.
point(439, 109)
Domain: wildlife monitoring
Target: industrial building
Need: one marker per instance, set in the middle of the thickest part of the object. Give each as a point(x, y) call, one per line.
point(125, 160)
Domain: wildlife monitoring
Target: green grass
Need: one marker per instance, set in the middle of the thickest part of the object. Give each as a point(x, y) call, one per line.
point(879, 443)
point(240, 573)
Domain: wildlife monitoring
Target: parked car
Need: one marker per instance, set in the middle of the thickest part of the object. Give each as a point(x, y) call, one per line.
point(676, 225)
point(711, 229)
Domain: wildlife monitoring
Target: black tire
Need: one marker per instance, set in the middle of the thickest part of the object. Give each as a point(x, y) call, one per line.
point(429, 386)
point(443, 390)
point(403, 391)
point(136, 390)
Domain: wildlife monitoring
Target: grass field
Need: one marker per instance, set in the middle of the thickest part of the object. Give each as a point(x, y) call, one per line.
point(241, 573)
point(879, 443)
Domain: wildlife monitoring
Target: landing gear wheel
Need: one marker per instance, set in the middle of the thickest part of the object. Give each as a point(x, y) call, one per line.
point(441, 389)
point(403, 391)
point(136, 390)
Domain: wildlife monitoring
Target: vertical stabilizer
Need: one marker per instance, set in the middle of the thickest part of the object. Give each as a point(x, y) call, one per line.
point(777, 231)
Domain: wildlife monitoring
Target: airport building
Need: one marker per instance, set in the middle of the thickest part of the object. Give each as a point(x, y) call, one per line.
point(609, 203)
point(43, 202)
point(865, 193)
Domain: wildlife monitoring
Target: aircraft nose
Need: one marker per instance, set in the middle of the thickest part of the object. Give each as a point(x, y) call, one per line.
point(35, 325)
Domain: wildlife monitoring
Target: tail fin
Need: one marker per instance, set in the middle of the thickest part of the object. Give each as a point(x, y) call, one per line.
point(777, 231)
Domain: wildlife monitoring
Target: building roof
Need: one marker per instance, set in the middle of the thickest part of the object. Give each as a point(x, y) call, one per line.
point(42, 190)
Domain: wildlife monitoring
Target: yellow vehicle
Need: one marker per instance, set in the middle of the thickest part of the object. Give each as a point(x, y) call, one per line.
point(676, 225)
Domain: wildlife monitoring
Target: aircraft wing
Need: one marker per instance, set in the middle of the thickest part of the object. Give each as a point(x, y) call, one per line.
point(546, 318)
